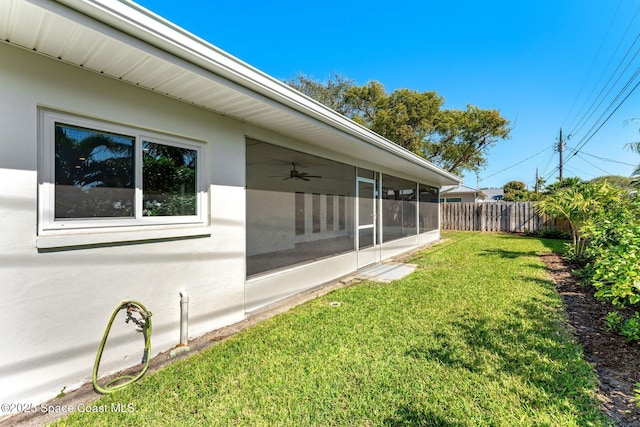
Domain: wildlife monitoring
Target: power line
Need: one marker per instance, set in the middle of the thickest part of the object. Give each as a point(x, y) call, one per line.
point(571, 126)
point(592, 64)
point(597, 167)
point(604, 159)
point(551, 173)
point(544, 169)
point(577, 172)
point(514, 165)
point(585, 140)
point(592, 110)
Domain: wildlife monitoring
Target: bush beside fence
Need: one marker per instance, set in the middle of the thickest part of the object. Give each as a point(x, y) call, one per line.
point(515, 217)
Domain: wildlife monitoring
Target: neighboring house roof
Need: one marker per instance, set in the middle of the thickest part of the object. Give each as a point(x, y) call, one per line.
point(460, 190)
point(493, 193)
point(122, 40)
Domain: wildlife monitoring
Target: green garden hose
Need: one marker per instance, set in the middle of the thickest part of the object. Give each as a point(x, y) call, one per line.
point(144, 325)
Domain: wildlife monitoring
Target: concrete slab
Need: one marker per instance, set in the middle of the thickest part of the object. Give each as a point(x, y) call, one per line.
point(386, 271)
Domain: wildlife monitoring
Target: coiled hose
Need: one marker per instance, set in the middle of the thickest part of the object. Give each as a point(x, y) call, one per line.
point(143, 324)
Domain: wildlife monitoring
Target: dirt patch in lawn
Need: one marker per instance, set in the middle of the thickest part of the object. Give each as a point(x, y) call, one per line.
point(614, 359)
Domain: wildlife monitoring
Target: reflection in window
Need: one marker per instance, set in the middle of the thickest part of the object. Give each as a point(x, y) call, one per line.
point(280, 232)
point(398, 208)
point(94, 173)
point(169, 180)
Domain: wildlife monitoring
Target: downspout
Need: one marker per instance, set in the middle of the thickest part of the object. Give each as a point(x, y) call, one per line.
point(184, 324)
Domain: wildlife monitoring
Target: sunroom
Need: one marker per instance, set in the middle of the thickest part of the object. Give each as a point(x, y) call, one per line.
point(304, 209)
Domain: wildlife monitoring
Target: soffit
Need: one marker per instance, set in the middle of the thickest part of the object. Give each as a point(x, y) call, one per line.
point(180, 66)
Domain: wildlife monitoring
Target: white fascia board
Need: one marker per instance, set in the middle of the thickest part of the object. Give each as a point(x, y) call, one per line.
point(142, 24)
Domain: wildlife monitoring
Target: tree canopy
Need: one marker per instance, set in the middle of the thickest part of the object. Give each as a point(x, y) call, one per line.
point(617, 180)
point(456, 140)
point(515, 191)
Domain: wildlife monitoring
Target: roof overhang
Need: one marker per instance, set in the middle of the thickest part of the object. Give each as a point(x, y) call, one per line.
point(460, 190)
point(122, 40)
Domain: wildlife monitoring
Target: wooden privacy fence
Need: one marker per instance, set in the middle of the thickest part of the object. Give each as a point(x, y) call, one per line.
point(516, 217)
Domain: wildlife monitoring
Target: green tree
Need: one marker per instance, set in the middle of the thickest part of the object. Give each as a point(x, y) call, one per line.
point(618, 181)
point(515, 191)
point(169, 180)
point(540, 184)
point(463, 137)
point(330, 92)
point(456, 140)
point(94, 174)
point(565, 183)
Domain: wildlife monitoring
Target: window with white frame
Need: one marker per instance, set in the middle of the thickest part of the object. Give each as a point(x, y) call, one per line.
point(96, 174)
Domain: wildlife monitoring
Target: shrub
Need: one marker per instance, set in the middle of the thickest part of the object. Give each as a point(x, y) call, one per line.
point(550, 233)
point(580, 205)
point(614, 253)
point(628, 328)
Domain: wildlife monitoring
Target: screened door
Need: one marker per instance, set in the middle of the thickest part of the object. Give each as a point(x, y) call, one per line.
point(368, 250)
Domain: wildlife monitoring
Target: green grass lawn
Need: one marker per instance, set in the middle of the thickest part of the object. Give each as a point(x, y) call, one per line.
point(474, 337)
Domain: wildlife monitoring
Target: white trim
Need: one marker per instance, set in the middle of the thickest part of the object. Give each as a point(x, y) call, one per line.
point(132, 234)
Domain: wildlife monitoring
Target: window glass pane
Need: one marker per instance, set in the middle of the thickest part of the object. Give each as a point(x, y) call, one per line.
point(429, 208)
point(169, 180)
point(399, 208)
point(280, 232)
point(94, 173)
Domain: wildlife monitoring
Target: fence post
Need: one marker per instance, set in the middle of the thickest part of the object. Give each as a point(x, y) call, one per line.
point(512, 217)
point(482, 213)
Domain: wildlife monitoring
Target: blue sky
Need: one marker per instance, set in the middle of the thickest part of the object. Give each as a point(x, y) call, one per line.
point(544, 64)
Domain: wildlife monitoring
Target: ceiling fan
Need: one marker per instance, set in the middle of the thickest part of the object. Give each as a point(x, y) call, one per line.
point(295, 174)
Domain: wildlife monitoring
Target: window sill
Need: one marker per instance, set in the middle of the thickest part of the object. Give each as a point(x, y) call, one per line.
point(102, 237)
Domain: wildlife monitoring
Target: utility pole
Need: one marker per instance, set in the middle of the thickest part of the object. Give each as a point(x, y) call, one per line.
point(537, 182)
point(560, 150)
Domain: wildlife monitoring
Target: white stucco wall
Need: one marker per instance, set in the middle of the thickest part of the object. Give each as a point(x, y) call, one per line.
point(56, 304)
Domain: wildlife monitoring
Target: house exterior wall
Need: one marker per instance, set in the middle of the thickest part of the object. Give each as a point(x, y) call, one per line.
point(58, 299)
point(466, 198)
point(57, 303)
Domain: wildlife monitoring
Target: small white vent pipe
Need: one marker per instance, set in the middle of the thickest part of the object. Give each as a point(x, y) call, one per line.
point(184, 316)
